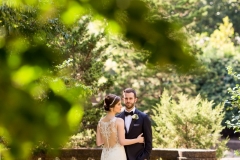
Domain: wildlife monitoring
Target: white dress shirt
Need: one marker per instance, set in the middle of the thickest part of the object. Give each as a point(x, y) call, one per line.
point(128, 119)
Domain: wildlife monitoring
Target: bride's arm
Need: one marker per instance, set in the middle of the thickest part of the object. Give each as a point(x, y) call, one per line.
point(121, 134)
point(99, 140)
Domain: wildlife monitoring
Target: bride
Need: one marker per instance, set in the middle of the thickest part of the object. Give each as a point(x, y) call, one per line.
point(111, 132)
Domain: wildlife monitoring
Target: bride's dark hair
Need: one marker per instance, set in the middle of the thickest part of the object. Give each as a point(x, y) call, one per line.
point(110, 101)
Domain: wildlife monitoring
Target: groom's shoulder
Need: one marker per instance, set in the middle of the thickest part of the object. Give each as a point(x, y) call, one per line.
point(142, 113)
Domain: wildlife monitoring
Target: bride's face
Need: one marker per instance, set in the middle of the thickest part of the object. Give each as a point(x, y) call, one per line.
point(117, 107)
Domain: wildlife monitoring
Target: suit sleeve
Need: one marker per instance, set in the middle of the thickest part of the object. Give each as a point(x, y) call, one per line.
point(147, 134)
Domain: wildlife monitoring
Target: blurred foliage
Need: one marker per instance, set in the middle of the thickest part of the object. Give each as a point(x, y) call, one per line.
point(36, 105)
point(41, 148)
point(234, 102)
point(64, 56)
point(200, 15)
point(184, 122)
point(216, 10)
point(214, 83)
point(234, 92)
point(44, 110)
point(218, 52)
point(218, 44)
point(42, 40)
point(163, 40)
point(82, 139)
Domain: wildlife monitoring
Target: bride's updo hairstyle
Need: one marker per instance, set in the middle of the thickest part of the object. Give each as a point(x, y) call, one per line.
point(110, 101)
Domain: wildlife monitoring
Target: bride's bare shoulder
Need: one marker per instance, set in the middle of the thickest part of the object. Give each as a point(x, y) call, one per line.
point(119, 120)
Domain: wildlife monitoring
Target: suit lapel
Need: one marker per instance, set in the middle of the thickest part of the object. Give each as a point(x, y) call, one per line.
point(131, 125)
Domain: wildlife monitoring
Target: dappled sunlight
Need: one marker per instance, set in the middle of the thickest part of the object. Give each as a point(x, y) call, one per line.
point(74, 116)
point(73, 12)
point(102, 80)
point(111, 65)
point(58, 86)
point(26, 75)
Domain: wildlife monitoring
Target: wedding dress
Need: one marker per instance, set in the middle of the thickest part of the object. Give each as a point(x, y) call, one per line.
point(111, 148)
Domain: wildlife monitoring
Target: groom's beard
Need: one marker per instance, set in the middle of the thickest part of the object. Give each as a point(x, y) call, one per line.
point(129, 105)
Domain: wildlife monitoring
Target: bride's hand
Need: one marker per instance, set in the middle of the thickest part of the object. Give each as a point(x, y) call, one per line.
point(140, 138)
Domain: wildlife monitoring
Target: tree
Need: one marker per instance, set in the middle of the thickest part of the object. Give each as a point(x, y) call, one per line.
point(85, 53)
point(200, 16)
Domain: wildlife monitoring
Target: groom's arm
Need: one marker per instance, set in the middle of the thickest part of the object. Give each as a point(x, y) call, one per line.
point(147, 134)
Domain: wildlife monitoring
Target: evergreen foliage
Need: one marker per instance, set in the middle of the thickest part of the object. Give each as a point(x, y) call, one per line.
point(84, 52)
point(183, 122)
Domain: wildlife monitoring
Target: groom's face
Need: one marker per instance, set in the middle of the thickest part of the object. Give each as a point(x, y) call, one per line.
point(129, 100)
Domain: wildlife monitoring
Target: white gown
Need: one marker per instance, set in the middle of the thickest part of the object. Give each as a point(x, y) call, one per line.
point(111, 148)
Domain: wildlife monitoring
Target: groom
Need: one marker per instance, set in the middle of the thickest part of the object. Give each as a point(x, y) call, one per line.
point(136, 122)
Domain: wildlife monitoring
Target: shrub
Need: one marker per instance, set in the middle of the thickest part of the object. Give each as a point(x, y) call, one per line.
point(234, 102)
point(83, 139)
point(183, 122)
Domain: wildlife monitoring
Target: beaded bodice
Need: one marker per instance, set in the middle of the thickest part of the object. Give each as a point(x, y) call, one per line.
point(108, 130)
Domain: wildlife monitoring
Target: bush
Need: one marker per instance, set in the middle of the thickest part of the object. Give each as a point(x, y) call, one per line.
point(183, 122)
point(83, 139)
point(234, 102)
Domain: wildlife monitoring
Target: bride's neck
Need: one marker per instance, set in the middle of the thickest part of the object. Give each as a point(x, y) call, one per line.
point(110, 115)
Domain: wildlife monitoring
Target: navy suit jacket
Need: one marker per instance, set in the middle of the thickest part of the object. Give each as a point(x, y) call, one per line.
point(138, 151)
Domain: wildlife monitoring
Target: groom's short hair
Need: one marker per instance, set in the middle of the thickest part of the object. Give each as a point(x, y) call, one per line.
point(130, 90)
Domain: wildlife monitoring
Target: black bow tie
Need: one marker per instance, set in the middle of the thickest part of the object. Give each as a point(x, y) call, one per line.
point(128, 113)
